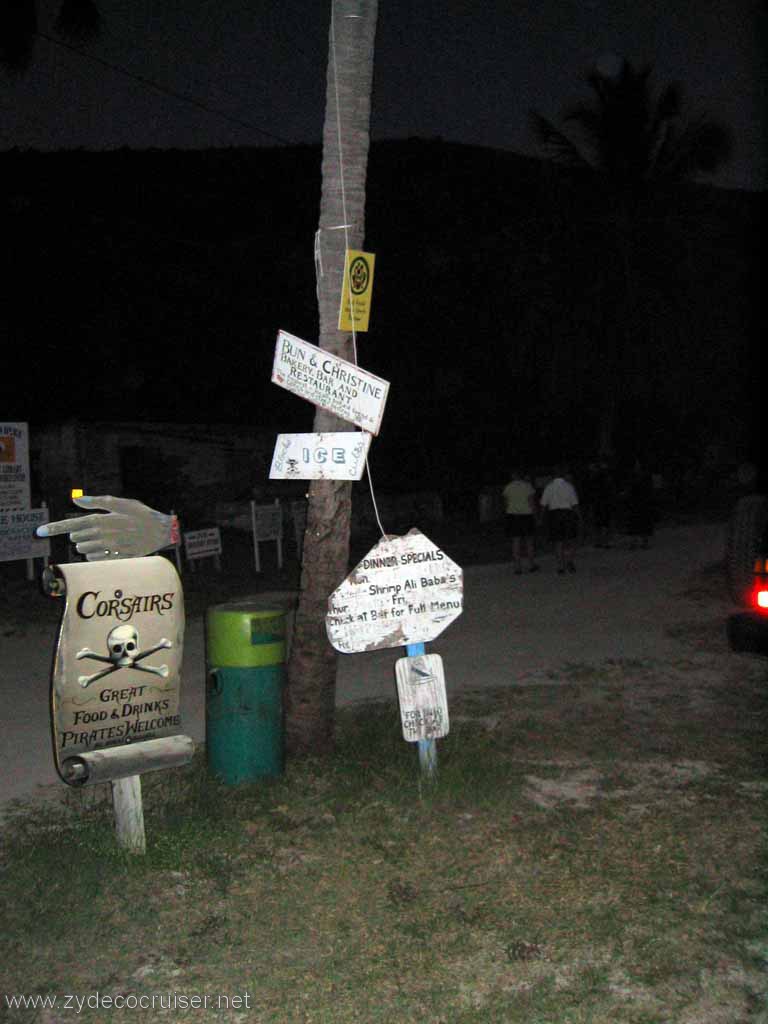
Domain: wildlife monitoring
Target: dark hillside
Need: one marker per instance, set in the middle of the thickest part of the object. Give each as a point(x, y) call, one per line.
point(151, 285)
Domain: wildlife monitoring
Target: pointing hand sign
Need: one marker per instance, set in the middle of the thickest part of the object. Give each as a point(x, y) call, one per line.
point(126, 529)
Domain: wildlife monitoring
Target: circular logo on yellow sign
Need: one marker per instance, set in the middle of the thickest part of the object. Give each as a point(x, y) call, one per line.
point(359, 275)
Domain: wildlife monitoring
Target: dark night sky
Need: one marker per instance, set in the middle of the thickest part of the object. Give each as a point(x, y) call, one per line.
point(253, 72)
point(462, 71)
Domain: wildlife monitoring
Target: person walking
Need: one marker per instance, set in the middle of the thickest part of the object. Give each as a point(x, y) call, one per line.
point(520, 507)
point(561, 502)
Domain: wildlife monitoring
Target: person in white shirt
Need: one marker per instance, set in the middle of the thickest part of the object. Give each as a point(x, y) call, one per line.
point(519, 507)
point(561, 501)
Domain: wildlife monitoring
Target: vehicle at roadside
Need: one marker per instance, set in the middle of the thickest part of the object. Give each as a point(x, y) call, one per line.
point(747, 572)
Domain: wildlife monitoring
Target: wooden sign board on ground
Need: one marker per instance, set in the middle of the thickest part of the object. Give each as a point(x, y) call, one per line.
point(339, 456)
point(329, 382)
point(203, 544)
point(405, 591)
point(267, 524)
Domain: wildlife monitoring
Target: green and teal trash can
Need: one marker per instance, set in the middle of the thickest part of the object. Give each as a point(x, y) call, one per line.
point(246, 647)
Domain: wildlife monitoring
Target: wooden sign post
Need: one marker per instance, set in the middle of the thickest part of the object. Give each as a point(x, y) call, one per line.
point(329, 382)
point(267, 524)
point(404, 592)
point(339, 456)
point(203, 544)
point(427, 746)
point(115, 687)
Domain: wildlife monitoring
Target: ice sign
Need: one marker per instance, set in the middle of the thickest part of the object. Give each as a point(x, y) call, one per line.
point(337, 456)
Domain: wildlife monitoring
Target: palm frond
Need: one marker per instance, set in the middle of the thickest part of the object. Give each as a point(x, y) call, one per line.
point(702, 147)
point(633, 136)
point(556, 143)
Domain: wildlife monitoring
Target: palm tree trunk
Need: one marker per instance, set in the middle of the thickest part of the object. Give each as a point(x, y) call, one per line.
point(311, 689)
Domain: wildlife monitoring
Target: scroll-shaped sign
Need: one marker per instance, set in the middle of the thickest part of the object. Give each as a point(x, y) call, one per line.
point(339, 456)
point(329, 382)
point(116, 671)
point(421, 691)
point(405, 591)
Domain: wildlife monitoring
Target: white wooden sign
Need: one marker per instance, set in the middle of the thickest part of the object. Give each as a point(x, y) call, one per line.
point(267, 524)
point(406, 590)
point(17, 534)
point(339, 456)
point(14, 466)
point(330, 382)
point(423, 702)
point(202, 543)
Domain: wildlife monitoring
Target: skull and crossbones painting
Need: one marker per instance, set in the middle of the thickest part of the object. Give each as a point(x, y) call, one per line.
point(123, 647)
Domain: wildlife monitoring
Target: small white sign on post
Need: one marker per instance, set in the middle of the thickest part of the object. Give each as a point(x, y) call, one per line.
point(332, 383)
point(17, 534)
point(203, 544)
point(405, 591)
point(339, 456)
point(267, 524)
point(423, 702)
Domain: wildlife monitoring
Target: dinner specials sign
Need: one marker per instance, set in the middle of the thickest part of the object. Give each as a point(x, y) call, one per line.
point(332, 383)
point(405, 591)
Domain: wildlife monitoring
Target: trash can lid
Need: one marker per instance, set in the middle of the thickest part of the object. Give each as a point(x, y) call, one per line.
point(272, 601)
point(249, 631)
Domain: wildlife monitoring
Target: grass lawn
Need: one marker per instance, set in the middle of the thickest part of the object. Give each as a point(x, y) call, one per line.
point(592, 850)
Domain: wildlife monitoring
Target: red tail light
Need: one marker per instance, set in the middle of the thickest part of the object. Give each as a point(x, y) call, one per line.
point(761, 599)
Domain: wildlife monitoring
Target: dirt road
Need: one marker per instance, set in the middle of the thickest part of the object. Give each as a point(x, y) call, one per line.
point(515, 630)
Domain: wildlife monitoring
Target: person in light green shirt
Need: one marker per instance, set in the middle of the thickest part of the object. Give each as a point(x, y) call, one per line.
point(519, 507)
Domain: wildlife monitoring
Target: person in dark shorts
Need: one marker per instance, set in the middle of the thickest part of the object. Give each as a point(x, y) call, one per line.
point(561, 501)
point(519, 508)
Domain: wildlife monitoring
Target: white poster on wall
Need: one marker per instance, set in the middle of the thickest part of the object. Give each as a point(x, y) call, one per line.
point(15, 489)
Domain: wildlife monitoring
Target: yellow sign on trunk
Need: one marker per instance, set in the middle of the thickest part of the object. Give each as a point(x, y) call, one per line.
point(356, 291)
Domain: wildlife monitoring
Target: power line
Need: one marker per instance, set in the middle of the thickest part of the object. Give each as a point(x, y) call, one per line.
point(150, 83)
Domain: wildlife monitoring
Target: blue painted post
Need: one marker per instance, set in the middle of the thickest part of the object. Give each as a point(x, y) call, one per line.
point(427, 748)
